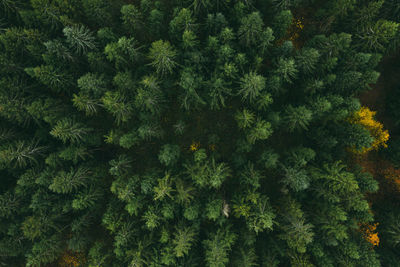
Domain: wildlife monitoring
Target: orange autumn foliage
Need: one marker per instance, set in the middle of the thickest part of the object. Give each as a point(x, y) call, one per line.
point(383, 171)
point(369, 234)
point(393, 176)
point(365, 117)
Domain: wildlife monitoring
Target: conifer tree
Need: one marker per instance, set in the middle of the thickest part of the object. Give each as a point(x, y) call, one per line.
point(162, 55)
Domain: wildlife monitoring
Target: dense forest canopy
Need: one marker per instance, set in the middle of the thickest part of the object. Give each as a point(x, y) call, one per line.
point(199, 133)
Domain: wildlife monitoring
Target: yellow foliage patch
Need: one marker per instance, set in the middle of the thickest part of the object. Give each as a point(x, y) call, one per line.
point(295, 29)
point(194, 146)
point(365, 117)
point(369, 234)
point(293, 32)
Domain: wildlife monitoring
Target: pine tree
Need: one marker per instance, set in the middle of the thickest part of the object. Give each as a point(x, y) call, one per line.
point(164, 188)
point(190, 83)
point(132, 17)
point(69, 130)
point(51, 77)
point(150, 97)
point(297, 117)
point(217, 248)
point(116, 104)
point(286, 69)
point(261, 131)
point(125, 52)
point(244, 118)
point(162, 55)
point(219, 93)
point(251, 85)
point(250, 29)
point(183, 20)
point(281, 22)
point(21, 154)
point(80, 38)
point(307, 59)
point(92, 84)
point(86, 198)
point(87, 104)
point(66, 182)
point(169, 154)
point(45, 251)
point(183, 239)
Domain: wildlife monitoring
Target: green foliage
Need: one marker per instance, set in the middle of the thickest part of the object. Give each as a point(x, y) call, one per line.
point(21, 154)
point(297, 233)
point(164, 188)
point(132, 17)
point(261, 131)
point(79, 38)
point(124, 53)
point(189, 39)
point(218, 246)
point(120, 166)
point(256, 210)
point(92, 84)
point(282, 22)
point(307, 60)
point(247, 258)
point(34, 227)
point(87, 104)
point(98, 11)
point(250, 29)
point(190, 83)
point(128, 140)
point(68, 130)
point(184, 192)
point(150, 98)
point(208, 172)
point(162, 55)
point(74, 153)
point(251, 86)
point(183, 239)
point(50, 77)
point(66, 182)
point(169, 154)
point(295, 178)
point(8, 205)
point(181, 21)
point(115, 103)
point(266, 40)
point(219, 93)
point(286, 69)
point(269, 159)
point(45, 251)
point(377, 36)
point(213, 209)
point(297, 118)
point(86, 199)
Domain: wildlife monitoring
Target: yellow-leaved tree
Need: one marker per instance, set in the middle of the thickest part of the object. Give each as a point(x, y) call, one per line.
point(369, 233)
point(366, 118)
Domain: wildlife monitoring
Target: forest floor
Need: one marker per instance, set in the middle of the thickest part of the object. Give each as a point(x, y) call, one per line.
point(374, 162)
point(376, 98)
